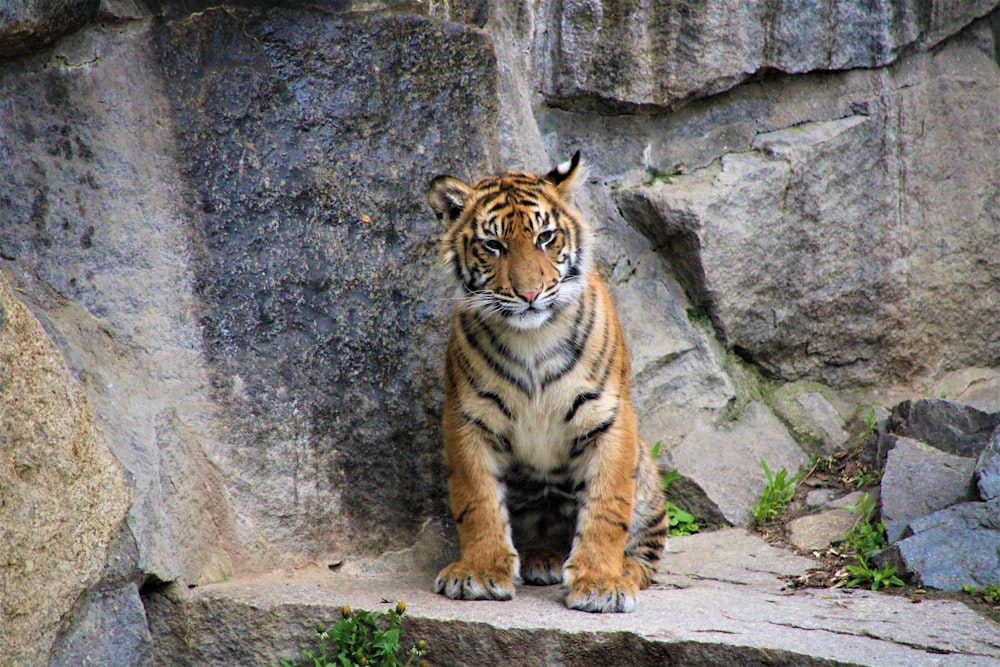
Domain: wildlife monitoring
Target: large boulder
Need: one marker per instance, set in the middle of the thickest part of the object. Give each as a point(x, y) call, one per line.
point(634, 54)
point(828, 250)
point(63, 494)
point(223, 218)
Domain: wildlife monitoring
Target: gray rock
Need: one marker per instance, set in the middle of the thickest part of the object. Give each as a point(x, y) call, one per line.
point(29, 26)
point(724, 460)
point(625, 55)
point(988, 469)
point(957, 428)
point(955, 547)
point(222, 218)
point(749, 235)
point(110, 629)
point(818, 497)
point(814, 532)
point(918, 480)
point(814, 414)
point(722, 614)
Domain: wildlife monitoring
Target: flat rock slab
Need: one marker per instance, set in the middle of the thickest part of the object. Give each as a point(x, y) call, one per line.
point(708, 621)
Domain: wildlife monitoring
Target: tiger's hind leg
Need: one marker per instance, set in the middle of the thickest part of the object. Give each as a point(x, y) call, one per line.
point(541, 567)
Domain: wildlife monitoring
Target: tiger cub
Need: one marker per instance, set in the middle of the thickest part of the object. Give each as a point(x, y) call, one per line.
point(548, 479)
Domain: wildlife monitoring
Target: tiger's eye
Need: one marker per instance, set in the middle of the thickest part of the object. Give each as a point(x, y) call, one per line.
point(492, 245)
point(545, 237)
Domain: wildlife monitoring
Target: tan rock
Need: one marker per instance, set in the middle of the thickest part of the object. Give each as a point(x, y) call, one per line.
point(62, 495)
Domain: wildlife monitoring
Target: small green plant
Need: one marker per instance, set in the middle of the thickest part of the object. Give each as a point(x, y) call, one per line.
point(362, 639)
point(778, 492)
point(871, 423)
point(991, 593)
point(865, 575)
point(866, 537)
point(681, 522)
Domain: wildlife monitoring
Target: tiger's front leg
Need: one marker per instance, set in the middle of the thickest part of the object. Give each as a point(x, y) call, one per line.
point(489, 565)
point(597, 575)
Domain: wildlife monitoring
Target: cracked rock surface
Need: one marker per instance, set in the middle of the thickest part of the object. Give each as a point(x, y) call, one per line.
point(719, 600)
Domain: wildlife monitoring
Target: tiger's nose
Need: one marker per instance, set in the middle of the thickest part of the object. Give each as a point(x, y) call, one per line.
point(530, 295)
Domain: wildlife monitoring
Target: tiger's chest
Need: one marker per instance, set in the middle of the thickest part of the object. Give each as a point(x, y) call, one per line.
point(564, 405)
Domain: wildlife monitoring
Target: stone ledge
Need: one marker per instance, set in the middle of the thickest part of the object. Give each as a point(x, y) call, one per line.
point(710, 621)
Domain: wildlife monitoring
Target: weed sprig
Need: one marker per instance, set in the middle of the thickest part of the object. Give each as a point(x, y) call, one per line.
point(362, 639)
point(778, 492)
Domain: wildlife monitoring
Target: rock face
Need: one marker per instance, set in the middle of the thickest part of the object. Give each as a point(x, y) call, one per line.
point(634, 54)
point(218, 214)
point(63, 494)
point(752, 235)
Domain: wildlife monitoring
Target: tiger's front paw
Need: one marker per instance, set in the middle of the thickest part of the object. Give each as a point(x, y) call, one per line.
point(460, 581)
point(540, 567)
point(610, 594)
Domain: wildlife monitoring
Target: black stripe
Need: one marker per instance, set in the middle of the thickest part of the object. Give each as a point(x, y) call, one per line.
point(498, 441)
point(582, 442)
point(494, 365)
point(580, 400)
point(576, 345)
point(469, 375)
point(461, 517)
point(603, 427)
point(490, 396)
point(613, 522)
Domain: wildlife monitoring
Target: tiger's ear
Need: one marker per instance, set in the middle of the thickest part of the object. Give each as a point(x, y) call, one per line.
point(447, 196)
point(565, 176)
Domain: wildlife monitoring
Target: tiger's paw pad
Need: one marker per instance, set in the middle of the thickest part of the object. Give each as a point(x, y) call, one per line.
point(541, 567)
point(602, 595)
point(459, 581)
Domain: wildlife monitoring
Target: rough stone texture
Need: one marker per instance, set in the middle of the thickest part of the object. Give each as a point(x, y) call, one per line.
point(969, 384)
point(920, 479)
point(634, 54)
point(29, 25)
point(814, 414)
point(110, 630)
point(719, 603)
point(955, 547)
point(219, 213)
point(818, 531)
point(751, 234)
point(988, 469)
point(226, 240)
point(956, 428)
point(725, 461)
point(63, 495)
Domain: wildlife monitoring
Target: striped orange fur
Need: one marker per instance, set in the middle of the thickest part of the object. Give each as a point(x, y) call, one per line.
point(548, 479)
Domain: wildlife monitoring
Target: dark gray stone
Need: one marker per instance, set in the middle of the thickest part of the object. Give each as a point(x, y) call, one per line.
point(109, 629)
point(224, 219)
point(27, 25)
point(317, 265)
point(955, 547)
point(952, 427)
point(988, 469)
point(918, 480)
point(632, 54)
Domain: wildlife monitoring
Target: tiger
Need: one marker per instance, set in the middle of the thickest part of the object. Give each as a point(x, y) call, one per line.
point(548, 480)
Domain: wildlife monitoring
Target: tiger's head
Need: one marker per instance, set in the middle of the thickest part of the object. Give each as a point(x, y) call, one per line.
point(515, 242)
